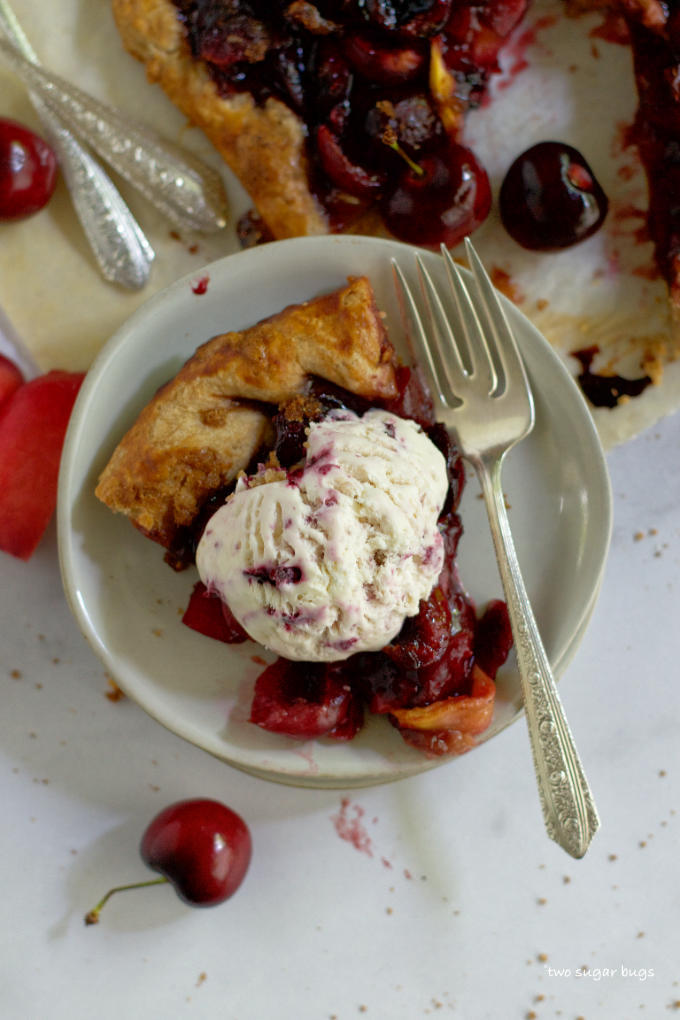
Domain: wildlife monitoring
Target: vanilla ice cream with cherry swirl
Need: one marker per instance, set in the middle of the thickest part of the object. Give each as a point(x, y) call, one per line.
point(330, 558)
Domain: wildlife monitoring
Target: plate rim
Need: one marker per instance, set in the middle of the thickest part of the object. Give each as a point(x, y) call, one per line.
point(66, 496)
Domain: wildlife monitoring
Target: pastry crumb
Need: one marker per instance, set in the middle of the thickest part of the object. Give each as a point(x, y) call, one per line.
point(114, 692)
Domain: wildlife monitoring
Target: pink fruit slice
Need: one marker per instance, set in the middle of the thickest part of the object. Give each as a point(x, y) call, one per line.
point(11, 378)
point(32, 427)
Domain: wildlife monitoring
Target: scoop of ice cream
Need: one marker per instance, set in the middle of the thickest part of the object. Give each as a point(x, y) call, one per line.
point(330, 559)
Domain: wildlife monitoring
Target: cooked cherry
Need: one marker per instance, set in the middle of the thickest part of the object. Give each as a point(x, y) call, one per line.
point(209, 615)
point(550, 198)
point(448, 675)
point(493, 638)
point(424, 637)
point(426, 19)
point(471, 42)
point(333, 78)
point(451, 529)
point(305, 700)
point(403, 15)
point(350, 176)
point(409, 118)
point(443, 203)
point(455, 469)
point(503, 15)
point(226, 38)
point(28, 171)
point(381, 63)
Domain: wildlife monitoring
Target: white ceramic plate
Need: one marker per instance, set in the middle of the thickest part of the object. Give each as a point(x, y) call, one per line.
point(128, 602)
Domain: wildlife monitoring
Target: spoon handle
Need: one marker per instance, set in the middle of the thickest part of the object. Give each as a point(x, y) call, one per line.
point(123, 253)
point(185, 190)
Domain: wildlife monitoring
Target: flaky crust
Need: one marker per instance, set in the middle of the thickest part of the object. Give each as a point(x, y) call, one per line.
point(264, 146)
point(206, 424)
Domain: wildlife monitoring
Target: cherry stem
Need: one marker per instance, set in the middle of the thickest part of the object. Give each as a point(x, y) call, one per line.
point(389, 138)
point(92, 917)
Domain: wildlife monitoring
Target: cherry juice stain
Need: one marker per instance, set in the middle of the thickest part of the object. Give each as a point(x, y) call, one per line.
point(605, 390)
point(349, 826)
point(201, 286)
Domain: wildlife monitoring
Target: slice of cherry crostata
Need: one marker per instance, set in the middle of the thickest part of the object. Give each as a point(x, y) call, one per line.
point(298, 465)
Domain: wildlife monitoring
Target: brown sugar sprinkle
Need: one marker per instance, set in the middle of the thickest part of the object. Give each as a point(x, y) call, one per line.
point(16, 674)
point(613, 857)
point(541, 901)
point(542, 957)
point(638, 536)
point(503, 282)
point(201, 978)
point(114, 692)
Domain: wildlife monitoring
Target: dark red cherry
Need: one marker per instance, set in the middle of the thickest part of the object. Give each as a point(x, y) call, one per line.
point(443, 203)
point(410, 117)
point(381, 63)
point(429, 19)
point(28, 171)
point(306, 700)
point(200, 846)
point(409, 17)
point(343, 172)
point(550, 198)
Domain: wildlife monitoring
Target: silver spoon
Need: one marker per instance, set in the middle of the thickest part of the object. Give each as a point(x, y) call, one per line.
point(182, 188)
point(121, 249)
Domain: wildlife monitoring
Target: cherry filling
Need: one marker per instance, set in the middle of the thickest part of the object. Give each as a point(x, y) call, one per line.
point(381, 88)
point(434, 681)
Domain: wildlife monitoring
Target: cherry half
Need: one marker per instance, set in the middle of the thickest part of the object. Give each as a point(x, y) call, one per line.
point(440, 201)
point(550, 198)
point(200, 846)
point(28, 171)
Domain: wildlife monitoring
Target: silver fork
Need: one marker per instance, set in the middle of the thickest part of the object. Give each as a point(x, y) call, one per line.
point(481, 391)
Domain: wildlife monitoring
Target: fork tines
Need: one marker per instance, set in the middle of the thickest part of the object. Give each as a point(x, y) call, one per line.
point(482, 350)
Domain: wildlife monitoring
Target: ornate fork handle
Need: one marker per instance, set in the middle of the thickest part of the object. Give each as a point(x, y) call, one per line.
point(181, 186)
point(121, 249)
point(568, 809)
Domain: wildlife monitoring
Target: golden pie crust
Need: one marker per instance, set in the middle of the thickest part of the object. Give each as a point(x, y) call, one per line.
point(263, 145)
point(205, 426)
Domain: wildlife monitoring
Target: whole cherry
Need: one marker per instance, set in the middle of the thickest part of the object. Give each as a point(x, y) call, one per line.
point(28, 171)
point(440, 200)
point(550, 198)
point(200, 846)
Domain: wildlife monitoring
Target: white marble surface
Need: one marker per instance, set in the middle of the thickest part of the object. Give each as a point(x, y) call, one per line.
point(462, 907)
